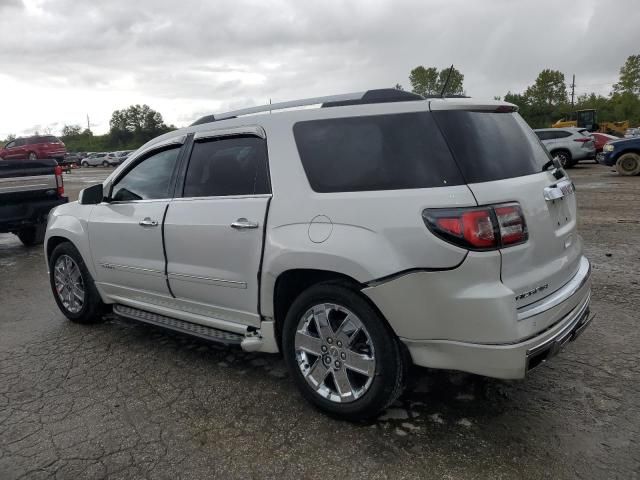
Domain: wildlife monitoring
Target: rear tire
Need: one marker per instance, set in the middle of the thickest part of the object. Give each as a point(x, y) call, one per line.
point(105, 164)
point(33, 235)
point(355, 336)
point(73, 287)
point(628, 164)
point(84, 164)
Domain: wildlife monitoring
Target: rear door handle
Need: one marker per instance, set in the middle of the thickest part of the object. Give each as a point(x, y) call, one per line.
point(243, 224)
point(147, 222)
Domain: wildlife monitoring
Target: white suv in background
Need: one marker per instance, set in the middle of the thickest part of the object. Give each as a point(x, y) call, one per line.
point(375, 231)
point(570, 145)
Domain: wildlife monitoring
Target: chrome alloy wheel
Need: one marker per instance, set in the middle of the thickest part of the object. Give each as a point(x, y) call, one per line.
point(335, 353)
point(69, 283)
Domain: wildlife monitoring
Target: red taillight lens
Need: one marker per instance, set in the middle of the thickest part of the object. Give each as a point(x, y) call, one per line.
point(582, 140)
point(485, 228)
point(59, 180)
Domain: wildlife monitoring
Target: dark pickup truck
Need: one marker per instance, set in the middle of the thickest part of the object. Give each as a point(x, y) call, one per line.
point(624, 154)
point(29, 189)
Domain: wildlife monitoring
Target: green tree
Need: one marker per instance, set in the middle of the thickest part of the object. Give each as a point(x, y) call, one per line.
point(430, 81)
point(135, 125)
point(629, 81)
point(456, 81)
point(424, 81)
point(549, 89)
point(71, 130)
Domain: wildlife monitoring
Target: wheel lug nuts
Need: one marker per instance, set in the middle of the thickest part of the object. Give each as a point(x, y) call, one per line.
point(343, 356)
point(329, 340)
point(323, 348)
point(339, 343)
point(337, 364)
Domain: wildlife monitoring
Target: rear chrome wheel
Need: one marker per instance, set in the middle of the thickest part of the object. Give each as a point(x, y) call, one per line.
point(335, 353)
point(33, 156)
point(342, 354)
point(69, 283)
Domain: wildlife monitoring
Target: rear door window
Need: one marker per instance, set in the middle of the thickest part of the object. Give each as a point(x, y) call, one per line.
point(379, 152)
point(491, 146)
point(227, 166)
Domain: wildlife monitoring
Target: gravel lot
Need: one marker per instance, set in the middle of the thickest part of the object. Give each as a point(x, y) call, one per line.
point(123, 400)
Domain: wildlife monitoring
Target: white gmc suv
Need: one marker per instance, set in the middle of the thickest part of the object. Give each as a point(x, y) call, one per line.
point(375, 231)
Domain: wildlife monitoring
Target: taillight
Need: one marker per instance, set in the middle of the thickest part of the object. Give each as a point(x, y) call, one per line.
point(582, 140)
point(479, 228)
point(59, 180)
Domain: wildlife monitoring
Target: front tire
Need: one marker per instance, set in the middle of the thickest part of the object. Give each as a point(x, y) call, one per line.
point(105, 164)
point(73, 287)
point(84, 164)
point(628, 164)
point(341, 353)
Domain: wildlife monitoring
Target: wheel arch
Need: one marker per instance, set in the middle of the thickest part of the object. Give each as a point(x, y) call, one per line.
point(291, 283)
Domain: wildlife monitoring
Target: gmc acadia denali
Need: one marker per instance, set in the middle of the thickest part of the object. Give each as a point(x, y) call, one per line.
point(377, 230)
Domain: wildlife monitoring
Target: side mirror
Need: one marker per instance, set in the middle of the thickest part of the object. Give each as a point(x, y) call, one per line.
point(91, 195)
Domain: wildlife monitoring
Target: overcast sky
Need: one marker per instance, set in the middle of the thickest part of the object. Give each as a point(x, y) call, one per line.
point(63, 59)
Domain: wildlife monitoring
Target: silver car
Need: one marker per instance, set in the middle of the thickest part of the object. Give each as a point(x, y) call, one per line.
point(94, 159)
point(570, 145)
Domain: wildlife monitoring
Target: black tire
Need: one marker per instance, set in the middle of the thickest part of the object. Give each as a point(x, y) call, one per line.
point(391, 362)
point(92, 308)
point(628, 164)
point(105, 164)
point(84, 164)
point(565, 158)
point(33, 235)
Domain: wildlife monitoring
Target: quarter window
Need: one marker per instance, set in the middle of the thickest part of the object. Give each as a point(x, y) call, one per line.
point(227, 166)
point(149, 179)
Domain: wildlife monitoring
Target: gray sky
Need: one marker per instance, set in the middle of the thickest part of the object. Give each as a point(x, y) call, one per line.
point(63, 59)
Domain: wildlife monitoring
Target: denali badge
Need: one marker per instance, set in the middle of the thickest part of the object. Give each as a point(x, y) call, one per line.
point(532, 292)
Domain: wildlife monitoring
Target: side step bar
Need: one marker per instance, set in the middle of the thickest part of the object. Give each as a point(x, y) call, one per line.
point(182, 326)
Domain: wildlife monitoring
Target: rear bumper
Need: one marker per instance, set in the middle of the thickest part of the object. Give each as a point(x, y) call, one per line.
point(16, 216)
point(465, 319)
point(510, 361)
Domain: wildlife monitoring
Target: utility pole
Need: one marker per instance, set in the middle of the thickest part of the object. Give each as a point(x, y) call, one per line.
point(88, 124)
point(573, 89)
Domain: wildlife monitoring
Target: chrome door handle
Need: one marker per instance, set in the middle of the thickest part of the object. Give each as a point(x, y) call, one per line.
point(147, 222)
point(243, 224)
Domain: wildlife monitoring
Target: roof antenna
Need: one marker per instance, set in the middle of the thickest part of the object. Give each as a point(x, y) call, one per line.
point(446, 82)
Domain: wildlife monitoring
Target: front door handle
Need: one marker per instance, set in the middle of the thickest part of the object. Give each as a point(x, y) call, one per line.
point(147, 222)
point(243, 224)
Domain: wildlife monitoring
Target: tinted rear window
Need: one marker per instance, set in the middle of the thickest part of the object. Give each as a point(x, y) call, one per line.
point(43, 139)
point(379, 152)
point(491, 146)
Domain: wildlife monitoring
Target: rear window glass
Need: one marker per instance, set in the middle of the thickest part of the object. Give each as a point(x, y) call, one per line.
point(43, 139)
point(378, 152)
point(491, 146)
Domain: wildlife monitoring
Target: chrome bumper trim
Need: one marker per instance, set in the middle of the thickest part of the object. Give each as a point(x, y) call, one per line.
point(556, 298)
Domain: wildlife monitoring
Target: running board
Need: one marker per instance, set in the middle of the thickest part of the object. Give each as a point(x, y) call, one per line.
point(189, 328)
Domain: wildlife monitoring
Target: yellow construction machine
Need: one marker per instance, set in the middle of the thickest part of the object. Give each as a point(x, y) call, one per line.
point(588, 119)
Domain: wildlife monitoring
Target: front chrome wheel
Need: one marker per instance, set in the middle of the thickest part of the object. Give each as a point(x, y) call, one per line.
point(69, 283)
point(335, 353)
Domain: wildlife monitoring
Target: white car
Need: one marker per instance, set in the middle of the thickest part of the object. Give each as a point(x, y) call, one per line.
point(570, 145)
point(95, 159)
point(372, 232)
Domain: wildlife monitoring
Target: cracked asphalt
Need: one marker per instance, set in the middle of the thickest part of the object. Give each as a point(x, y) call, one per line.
point(126, 400)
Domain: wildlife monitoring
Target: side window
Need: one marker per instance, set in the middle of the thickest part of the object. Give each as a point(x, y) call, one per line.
point(20, 142)
point(149, 179)
point(10, 144)
point(563, 134)
point(543, 135)
point(227, 166)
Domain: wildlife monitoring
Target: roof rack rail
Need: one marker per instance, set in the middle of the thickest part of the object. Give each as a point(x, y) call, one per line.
point(383, 95)
point(456, 95)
